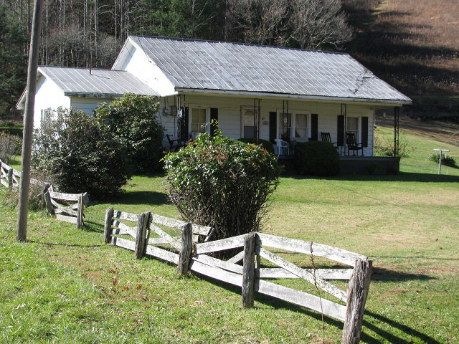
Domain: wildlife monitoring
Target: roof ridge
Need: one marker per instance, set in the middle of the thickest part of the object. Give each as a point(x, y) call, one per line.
point(84, 68)
point(188, 39)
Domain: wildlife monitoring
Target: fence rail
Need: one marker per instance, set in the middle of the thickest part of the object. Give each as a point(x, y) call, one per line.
point(66, 207)
point(191, 252)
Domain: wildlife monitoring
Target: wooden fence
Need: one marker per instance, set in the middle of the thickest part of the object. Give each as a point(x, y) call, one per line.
point(66, 207)
point(6, 175)
point(191, 252)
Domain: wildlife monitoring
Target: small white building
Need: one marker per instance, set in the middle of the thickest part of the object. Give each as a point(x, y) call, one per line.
point(252, 91)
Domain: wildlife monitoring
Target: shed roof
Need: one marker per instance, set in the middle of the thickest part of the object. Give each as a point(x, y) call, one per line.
point(95, 82)
point(223, 66)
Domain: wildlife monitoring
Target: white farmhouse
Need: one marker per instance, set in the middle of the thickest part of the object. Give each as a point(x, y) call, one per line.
point(257, 92)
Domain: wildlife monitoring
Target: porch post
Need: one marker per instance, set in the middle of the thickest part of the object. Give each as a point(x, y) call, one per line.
point(396, 131)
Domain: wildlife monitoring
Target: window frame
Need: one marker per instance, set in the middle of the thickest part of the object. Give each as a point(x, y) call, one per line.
point(204, 124)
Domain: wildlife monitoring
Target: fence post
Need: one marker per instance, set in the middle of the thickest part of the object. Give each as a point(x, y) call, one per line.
point(9, 178)
point(80, 211)
point(47, 198)
point(359, 285)
point(108, 225)
point(186, 250)
point(248, 270)
point(141, 235)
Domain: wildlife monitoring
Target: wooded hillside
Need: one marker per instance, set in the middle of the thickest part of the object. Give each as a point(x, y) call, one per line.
point(87, 33)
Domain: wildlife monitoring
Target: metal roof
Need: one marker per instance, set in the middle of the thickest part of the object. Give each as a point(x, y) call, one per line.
point(223, 66)
point(95, 82)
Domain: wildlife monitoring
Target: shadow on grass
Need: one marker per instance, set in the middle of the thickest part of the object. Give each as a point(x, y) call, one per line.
point(401, 177)
point(51, 244)
point(411, 332)
point(143, 197)
point(368, 323)
point(385, 275)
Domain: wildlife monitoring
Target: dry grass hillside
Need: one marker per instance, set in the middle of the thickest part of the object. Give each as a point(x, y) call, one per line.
point(414, 45)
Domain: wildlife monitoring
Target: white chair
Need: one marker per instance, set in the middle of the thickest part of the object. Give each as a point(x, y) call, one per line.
point(282, 147)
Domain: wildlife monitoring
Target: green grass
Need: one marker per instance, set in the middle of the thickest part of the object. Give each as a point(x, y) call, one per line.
point(65, 285)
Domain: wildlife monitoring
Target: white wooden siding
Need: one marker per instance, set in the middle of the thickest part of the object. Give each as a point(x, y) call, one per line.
point(136, 62)
point(48, 96)
point(87, 105)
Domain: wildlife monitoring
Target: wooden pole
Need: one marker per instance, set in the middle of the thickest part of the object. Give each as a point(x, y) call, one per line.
point(356, 298)
point(108, 225)
point(186, 250)
point(248, 270)
point(28, 122)
point(141, 235)
point(80, 212)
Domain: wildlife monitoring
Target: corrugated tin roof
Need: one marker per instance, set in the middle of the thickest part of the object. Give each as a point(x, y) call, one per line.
point(97, 82)
point(222, 66)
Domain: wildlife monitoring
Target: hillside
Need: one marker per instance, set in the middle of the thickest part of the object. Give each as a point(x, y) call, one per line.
point(414, 45)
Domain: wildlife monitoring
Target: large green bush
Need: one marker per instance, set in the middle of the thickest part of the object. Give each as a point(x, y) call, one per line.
point(132, 119)
point(222, 183)
point(80, 155)
point(316, 158)
point(264, 143)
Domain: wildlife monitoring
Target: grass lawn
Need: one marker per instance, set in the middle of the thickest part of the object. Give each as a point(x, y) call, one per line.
point(65, 285)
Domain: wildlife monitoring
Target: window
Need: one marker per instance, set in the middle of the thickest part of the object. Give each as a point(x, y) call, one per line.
point(249, 125)
point(45, 117)
point(285, 126)
point(352, 125)
point(301, 127)
point(198, 121)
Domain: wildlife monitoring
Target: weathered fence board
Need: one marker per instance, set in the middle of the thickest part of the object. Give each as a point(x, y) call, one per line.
point(304, 274)
point(71, 212)
point(179, 224)
point(6, 175)
point(162, 254)
point(318, 304)
point(310, 248)
point(326, 274)
point(220, 245)
point(237, 258)
point(216, 273)
point(218, 263)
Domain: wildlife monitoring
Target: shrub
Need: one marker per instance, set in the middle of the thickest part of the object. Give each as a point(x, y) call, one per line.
point(36, 200)
point(132, 119)
point(80, 155)
point(9, 145)
point(222, 183)
point(265, 144)
point(11, 128)
point(445, 160)
point(316, 158)
point(384, 146)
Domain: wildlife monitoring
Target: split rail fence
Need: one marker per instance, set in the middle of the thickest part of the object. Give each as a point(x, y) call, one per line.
point(64, 206)
point(191, 252)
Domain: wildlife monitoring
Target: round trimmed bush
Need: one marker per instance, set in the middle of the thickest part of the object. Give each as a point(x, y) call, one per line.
point(132, 118)
point(80, 155)
point(316, 158)
point(222, 183)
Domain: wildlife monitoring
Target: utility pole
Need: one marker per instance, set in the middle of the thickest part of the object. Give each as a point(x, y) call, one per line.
point(28, 121)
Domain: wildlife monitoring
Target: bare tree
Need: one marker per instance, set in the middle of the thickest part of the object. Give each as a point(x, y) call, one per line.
point(257, 21)
point(302, 23)
point(318, 23)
